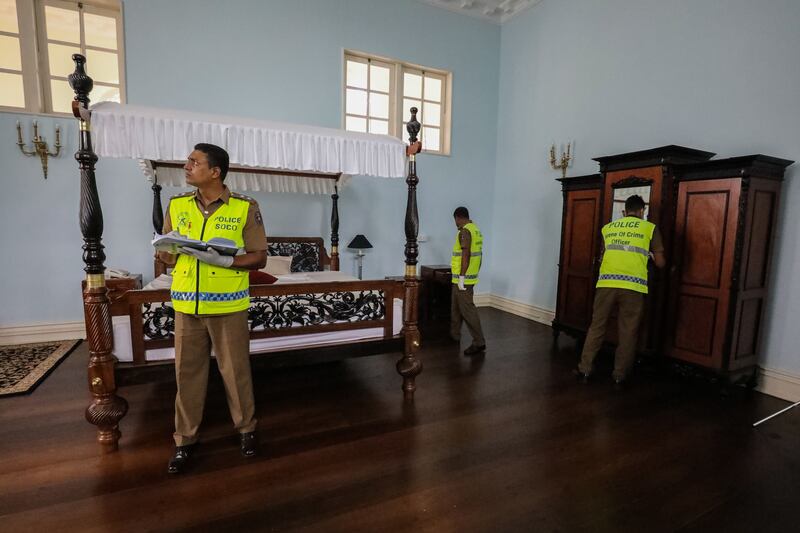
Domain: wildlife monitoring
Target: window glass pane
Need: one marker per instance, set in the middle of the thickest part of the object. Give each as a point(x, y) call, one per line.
point(62, 95)
point(379, 78)
point(356, 74)
point(433, 89)
point(100, 31)
point(59, 57)
point(355, 124)
point(412, 85)
point(433, 114)
point(62, 25)
point(407, 105)
point(378, 105)
point(8, 16)
point(12, 93)
point(430, 139)
point(378, 126)
point(9, 53)
point(102, 66)
point(104, 93)
point(356, 102)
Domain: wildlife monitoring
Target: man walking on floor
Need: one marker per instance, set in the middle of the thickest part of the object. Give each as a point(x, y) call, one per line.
point(628, 244)
point(464, 267)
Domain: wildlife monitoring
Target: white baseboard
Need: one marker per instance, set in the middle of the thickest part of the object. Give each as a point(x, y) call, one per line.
point(531, 312)
point(42, 333)
point(779, 383)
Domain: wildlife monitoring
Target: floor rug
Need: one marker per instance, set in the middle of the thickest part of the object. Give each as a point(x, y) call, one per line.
point(24, 366)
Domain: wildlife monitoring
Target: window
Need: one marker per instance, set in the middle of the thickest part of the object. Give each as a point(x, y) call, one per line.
point(379, 93)
point(37, 40)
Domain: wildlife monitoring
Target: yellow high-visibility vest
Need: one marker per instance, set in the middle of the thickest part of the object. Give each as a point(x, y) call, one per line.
point(627, 248)
point(475, 256)
point(199, 288)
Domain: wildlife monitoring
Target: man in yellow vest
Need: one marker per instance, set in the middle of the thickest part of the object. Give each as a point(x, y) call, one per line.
point(210, 295)
point(628, 244)
point(464, 267)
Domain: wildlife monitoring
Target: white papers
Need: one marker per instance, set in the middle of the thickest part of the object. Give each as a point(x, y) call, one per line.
point(174, 240)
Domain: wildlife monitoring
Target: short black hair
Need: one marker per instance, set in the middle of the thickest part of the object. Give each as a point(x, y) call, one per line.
point(461, 212)
point(217, 157)
point(634, 203)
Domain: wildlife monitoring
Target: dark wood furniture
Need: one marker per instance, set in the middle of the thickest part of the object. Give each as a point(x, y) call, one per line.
point(117, 287)
point(437, 283)
point(717, 219)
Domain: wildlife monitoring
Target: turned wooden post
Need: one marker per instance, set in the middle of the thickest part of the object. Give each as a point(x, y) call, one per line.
point(409, 366)
point(158, 220)
point(335, 228)
point(106, 409)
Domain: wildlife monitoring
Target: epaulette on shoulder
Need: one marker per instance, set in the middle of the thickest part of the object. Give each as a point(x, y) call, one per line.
point(244, 197)
point(182, 195)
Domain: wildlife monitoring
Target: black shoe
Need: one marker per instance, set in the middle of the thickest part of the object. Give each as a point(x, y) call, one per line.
point(620, 385)
point(475, 349)
point(249, 443)
point(180, 458)
point(581, 377)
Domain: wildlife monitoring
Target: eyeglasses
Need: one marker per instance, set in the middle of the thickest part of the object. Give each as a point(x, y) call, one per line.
point(194, 162)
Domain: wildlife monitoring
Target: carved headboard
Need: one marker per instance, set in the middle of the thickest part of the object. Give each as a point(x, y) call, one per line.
point(309, 252)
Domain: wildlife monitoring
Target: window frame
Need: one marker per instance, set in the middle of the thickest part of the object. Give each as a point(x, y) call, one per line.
point(35, 55)
point(391, 94)
point(26, 26)
point(397, 115)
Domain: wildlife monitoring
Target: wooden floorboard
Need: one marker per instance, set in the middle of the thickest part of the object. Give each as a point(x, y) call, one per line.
point(509, 442)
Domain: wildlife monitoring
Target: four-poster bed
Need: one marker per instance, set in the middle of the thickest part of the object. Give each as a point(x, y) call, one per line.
point(283, 156)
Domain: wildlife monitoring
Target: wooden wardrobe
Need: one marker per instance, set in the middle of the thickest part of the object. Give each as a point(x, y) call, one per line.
point(717, 219)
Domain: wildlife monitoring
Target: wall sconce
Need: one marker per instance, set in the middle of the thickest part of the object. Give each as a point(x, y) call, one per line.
point(40, 147)
point(564, 160)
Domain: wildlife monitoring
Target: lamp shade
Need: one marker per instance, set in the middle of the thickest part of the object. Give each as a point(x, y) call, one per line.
point(359, 242)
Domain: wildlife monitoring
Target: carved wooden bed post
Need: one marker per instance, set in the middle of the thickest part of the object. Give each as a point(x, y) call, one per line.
point(409, 366)
point(106, 409)
point(335, 229)
point(158, 220)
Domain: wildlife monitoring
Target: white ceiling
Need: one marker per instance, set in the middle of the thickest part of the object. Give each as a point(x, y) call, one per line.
point(497, 11)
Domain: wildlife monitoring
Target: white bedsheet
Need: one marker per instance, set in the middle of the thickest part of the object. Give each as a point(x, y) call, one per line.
point(122, 328)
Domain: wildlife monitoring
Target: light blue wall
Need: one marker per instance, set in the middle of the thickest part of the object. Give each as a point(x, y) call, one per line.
point(623, 75)
point(280, 60)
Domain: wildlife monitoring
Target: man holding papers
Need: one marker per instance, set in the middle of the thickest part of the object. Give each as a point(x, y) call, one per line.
point(210, 295)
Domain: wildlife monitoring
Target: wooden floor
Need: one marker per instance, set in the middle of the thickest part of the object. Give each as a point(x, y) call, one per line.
point(505, 443)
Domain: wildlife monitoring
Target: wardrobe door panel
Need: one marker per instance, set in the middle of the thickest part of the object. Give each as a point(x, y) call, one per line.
point(705, 237)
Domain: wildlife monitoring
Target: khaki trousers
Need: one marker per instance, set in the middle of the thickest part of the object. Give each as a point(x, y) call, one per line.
point(462, 307)
point(194, 336)
point(631, 308)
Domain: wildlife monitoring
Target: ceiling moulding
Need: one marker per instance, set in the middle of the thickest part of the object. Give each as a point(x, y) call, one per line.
point(496, 11)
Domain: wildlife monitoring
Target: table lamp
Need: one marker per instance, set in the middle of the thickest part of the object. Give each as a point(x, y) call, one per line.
point(359, 243)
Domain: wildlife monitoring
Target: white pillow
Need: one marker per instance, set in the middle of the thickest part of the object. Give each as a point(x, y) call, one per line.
point(278, 265)
point(164, 281)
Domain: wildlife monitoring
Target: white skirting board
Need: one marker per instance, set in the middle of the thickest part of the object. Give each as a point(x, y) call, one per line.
point(779, 383)
point(42, 333)
point(775, 382)
point(531, 312)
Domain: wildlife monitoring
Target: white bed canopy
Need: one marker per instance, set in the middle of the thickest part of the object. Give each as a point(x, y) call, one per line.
point(264, 155)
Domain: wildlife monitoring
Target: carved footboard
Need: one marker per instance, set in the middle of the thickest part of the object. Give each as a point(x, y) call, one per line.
point(275, 311)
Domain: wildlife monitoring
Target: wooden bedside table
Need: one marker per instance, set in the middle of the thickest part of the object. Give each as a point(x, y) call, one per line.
point(438, 282)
